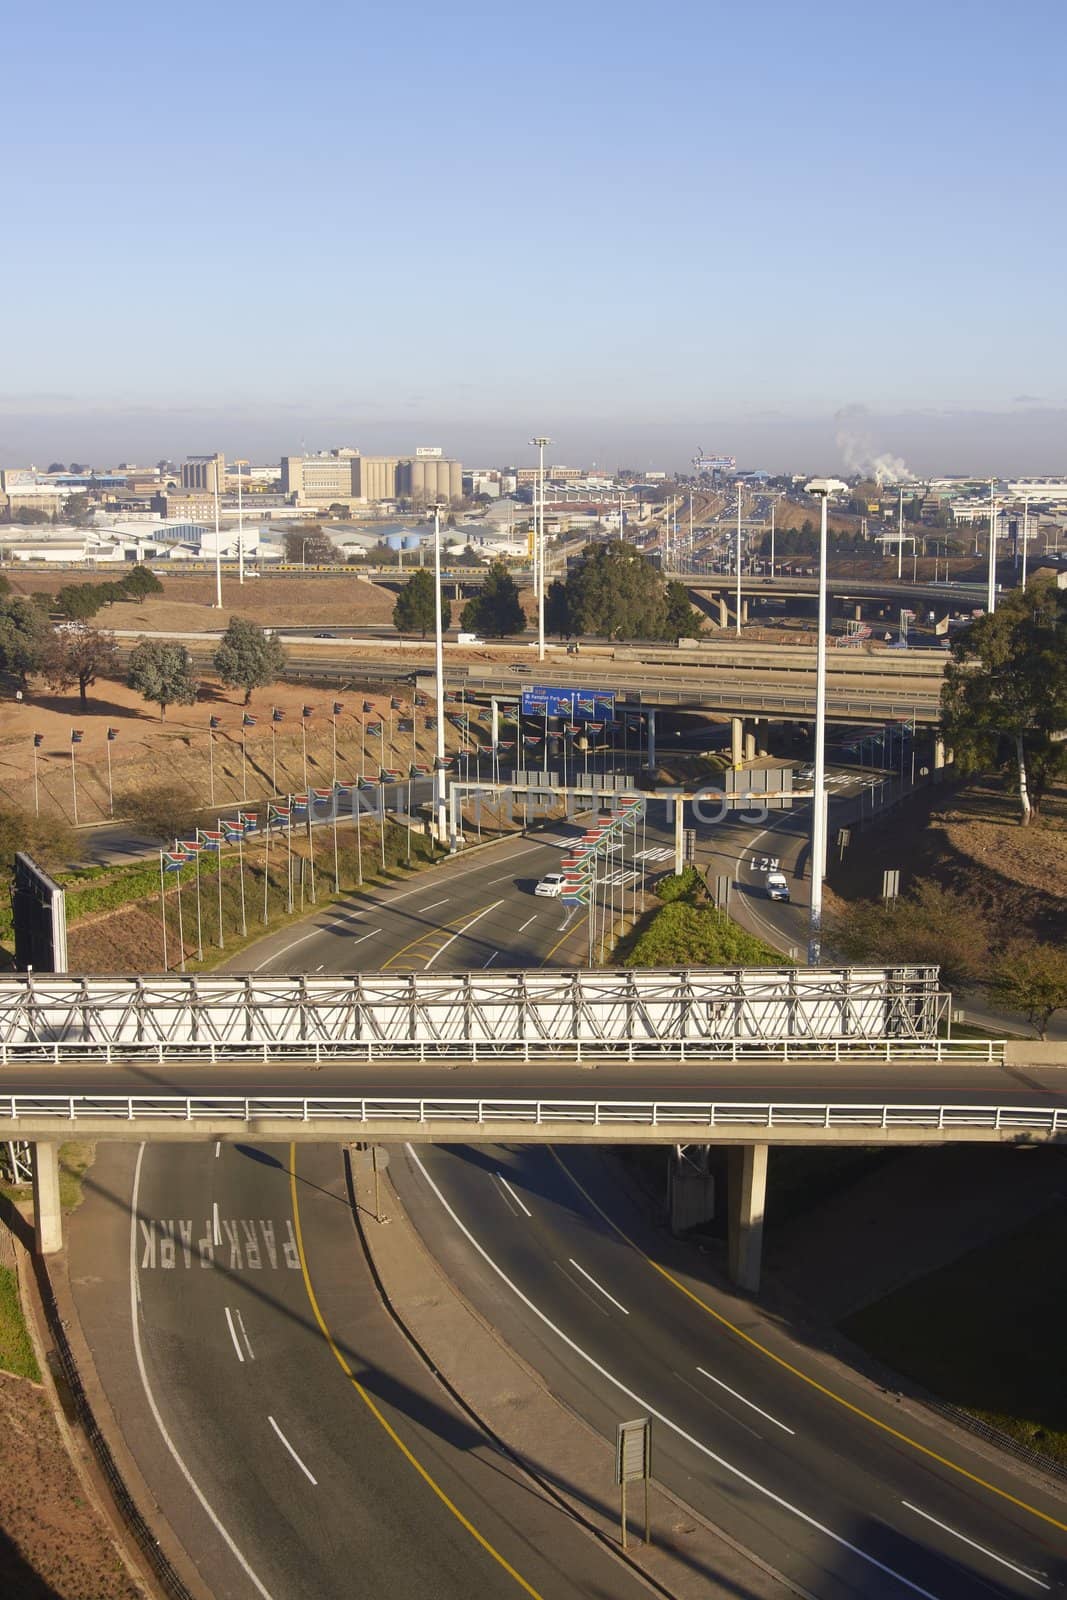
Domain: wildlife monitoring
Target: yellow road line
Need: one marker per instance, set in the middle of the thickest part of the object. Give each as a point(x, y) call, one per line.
point(374, 1410)
point(830, 1394)
point(563, 940)
point(429, 933)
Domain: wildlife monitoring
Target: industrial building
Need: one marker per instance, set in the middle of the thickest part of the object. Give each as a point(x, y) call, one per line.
point(205, 473)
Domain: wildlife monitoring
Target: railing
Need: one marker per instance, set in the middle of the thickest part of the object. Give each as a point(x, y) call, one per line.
point(515, 1052)
point(525, 1115)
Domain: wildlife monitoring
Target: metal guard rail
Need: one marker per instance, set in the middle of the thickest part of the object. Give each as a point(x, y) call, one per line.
point(247, 1109)
point(458, 1052)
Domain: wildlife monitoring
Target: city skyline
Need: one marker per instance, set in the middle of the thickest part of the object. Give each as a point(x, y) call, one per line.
point(721, 235)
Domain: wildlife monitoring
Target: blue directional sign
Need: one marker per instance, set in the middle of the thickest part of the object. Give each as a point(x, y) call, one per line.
point(578, 704)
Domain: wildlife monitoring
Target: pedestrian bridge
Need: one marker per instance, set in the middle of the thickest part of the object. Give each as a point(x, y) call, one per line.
point(453, 1018)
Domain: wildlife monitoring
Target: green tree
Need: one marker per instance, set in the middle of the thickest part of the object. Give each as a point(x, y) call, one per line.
point(47, 839)
point(684, 621)
point(140, 582)
point(162, 672)
point(79, 601)
point(24, 634)
point(76, 509)
point(78, 654)
point(248, 658)
point(616, 592)
point(1004, 698)
point(496, 611)
point(161, 811)
point(557, 609)
point(310, 547)
point(1032, 978)
point(930, 925)
point(414, 609)
point(31, 516)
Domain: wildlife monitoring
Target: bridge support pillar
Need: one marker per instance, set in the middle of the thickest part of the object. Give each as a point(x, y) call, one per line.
point(747, 1199)
point(750, 745)
point(47, 1211)
point(939, 757)
point(651, 758)
point(857, 612)
point(737, 728)
point(690, 1188)
point(744, 612)
point(724, 613)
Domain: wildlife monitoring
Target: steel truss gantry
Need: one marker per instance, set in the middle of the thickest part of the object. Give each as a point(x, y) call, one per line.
point(568, 1015)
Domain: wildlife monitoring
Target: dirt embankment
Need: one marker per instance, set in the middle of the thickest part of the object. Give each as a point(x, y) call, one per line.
point(970, 839)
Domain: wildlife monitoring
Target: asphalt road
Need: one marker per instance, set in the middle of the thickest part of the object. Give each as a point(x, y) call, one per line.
point(836, 1503)
point(825, 1478)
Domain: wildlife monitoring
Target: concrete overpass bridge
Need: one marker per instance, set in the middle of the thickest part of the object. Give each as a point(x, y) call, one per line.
point(689, 1057)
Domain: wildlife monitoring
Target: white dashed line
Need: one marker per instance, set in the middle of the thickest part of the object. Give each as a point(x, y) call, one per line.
point(292, 1452)
point(501, 1178)
point(588, 1276)
point(460, 932)
point(1022, 1572)
point(766, 1414)
point(233, 1336)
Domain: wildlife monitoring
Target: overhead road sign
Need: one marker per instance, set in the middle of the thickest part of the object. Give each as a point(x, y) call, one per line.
point(577, 704)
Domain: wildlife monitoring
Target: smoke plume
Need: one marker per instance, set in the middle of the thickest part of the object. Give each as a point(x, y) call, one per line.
point(858, 450)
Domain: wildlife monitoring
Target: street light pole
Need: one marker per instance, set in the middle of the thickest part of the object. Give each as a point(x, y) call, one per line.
point(737, 620)
point(774, 507)
point(824, 488)
point(439, 799)
point(1026, 533)
point(539, 546)
point(991, 584)
point(218, 541)
point(240, 525)
point(900, 529)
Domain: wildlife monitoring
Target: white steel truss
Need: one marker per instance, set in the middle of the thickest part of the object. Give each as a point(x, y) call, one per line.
point(680, 1015)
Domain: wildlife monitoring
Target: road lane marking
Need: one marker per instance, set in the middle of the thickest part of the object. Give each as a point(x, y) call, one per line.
point(504, 879)
point(759, 1412)
point(588, 1276)
point(435, 905)
point(1022, 1572)
point(460, 932)
point(233, 1336)
point(514, 1196)
point(150, 1397)
point(375, 1410)
point(653, 1411)
point(526, 924)
point(292, 1452)
point(216, 1236)
point(492, 958)
point(277, 955)
point(244, 1336)
point(797, 1372)
point(368, 935)
point(466, 872)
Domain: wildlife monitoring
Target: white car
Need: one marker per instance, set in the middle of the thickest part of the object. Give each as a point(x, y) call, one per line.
point(551, 885)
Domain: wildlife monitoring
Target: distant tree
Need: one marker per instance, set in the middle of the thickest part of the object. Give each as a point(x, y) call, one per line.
point(76, 468)
point(79, 601)
point(309, 546)
point(615, 591)
point(496, 610)
point(30, 516)
point(56, 466)
point(931, 924)
point(162, 673)
point(684, 621)
point(140, 582)
point(47, 839)
point(24, 635)
point(1032, 978)
point(160, 811)
point(78, 654)
point(414, 609)
point(557, 609)
point(1004, 698)
point(108, 593)
point(5, 587)
point(76, 509)
point(248, 658)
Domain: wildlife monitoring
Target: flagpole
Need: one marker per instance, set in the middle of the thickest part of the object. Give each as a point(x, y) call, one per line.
point(218, 853)
point(359, 836)
point(266, 866)
point(244, 762)
point(199, 928)
point(181, 925)
point(273, 752)
point(409, 816)
point(289, 857)
point(110, 790)
point(211, 762)
point(333, 805)
point(74, 780)
point(304, 745)
point(36, 791)
point(163, 911)
point(333, 741)
point(241, 878)
point(311, 851)
point(381, 815)
point(362, 747)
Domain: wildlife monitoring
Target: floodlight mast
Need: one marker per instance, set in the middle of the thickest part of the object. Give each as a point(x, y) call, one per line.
point(440, 805)
point(823, 488)
point(539, 545)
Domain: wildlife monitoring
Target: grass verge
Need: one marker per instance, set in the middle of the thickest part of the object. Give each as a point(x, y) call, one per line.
point(16, 1350)
point(986, 1333)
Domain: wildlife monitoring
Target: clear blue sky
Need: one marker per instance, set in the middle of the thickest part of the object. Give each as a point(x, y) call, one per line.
point(638, 228)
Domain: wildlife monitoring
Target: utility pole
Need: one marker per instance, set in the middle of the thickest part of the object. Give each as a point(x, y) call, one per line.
point(824, 488)
point(240, 524)
point(539, 546)
point(737, 627)
point(991, 585)
point(218, 541)
point(900, 530)
point(440, 810)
